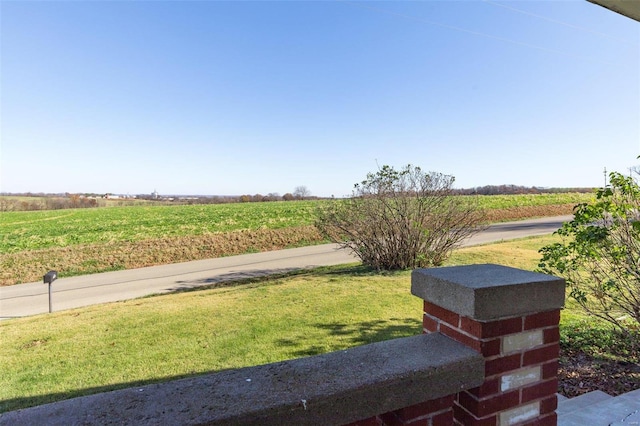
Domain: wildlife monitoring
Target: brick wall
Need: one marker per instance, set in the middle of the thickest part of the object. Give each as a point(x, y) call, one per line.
point(521, 355)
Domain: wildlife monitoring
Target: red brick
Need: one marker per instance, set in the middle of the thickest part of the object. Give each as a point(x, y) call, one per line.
point(390, 419)
point(441, 313)
point(443, 419)
point(540, 390)
point(548, 420)
point(425, 408)
point(549, 405)
point(471, 326)
point(459, 337)
point(463, 417)
point(501, 365)
point(540, 355)
point(485, 330)
point(490, 347)
point(491, 405)
point(489, 387)
point(371, 421)
point(551, 335)
point(541, 320)
point(550, 369)
point(429, 324)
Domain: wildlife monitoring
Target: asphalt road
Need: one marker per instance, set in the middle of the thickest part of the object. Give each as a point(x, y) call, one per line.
point(67, 293)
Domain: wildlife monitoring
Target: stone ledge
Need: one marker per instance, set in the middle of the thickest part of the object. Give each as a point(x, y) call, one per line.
point(488, 292)
point(330, 389)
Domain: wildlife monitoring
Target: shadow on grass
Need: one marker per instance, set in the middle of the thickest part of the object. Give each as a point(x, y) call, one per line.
point(13, 404)
point(264, 276)
point(358, 334)
point(234, 278)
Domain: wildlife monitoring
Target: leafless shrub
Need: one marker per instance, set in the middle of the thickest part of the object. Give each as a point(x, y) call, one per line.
point(401, 219)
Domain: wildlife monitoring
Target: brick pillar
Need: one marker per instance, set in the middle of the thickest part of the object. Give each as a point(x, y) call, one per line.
point(511, 316)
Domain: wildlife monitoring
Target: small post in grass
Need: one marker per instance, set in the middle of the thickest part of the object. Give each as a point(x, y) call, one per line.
point(48, 278)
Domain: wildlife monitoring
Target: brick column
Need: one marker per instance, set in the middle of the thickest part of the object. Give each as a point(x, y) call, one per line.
point(511, 316)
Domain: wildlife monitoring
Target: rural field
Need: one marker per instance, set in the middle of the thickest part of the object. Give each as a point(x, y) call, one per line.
point(84, 241)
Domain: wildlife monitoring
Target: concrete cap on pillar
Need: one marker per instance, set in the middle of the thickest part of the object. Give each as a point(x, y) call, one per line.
point(488, 292)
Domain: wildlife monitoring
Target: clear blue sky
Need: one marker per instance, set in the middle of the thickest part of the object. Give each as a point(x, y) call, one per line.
point(230, 98)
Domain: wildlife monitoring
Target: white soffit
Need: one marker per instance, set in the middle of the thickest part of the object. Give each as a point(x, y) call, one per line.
point(628, 8)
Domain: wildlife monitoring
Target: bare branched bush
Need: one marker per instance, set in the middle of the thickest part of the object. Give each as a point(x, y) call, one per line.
point(399, 219)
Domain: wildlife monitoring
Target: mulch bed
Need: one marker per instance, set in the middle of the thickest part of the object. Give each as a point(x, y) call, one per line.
point(580, 373)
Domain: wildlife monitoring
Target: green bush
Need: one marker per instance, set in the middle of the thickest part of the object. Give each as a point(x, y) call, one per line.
point(599, 255)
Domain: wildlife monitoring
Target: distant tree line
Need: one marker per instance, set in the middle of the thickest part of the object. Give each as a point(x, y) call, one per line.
point(30, 202)
point(42, 201)
point(517, 189)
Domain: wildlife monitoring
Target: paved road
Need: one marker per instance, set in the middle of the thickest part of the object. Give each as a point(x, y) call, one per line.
point(32, 298)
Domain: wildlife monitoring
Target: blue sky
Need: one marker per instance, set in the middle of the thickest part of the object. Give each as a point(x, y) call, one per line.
point(230, 98)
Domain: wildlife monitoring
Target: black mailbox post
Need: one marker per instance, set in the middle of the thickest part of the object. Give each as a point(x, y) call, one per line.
point(48, 278)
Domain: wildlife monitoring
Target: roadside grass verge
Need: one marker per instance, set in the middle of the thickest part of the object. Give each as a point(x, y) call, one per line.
point(27, 266)
point(57, 356)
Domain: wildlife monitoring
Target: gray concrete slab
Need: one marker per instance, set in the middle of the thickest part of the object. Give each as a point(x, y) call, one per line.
point(580, 402)
point(622, 410)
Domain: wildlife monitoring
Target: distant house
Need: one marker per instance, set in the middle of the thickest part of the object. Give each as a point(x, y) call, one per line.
point(110, 196)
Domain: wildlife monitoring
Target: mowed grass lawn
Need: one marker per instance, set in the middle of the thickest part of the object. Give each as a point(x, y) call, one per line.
point(61, 355)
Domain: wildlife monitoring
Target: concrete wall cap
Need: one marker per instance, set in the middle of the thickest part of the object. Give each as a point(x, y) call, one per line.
point(488, 292)
point(330, 389)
